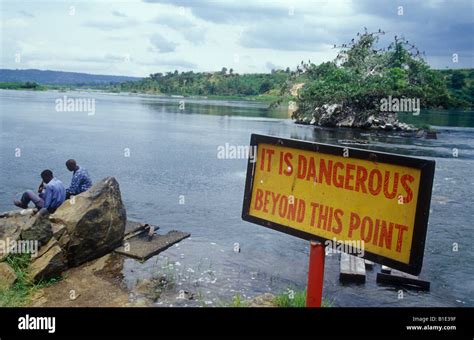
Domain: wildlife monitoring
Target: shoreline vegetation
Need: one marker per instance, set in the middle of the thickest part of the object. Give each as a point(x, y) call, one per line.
point(461, 90)
point(459, 83)
point(34, 86)
point(365, 86)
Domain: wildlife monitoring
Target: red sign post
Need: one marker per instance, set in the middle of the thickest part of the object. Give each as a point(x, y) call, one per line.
point(314, 293)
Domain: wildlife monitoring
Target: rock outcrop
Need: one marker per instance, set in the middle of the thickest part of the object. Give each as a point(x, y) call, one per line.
point(265, 300)
point(95, 222)
point(38, 229)
point(83, 228)
point(337, 115)
point(49, 263)
point(11, 224)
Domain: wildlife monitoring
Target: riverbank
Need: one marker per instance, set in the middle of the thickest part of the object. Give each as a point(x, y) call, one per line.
point(263, 98)
point(99, 284)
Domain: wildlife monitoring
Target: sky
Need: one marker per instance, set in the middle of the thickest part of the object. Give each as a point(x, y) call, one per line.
point(139, 37)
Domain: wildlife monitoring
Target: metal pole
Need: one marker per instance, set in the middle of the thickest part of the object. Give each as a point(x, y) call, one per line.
point(314, 292)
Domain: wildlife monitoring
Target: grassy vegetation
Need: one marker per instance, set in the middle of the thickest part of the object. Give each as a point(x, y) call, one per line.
point(291, 298)
point(237, 302)
point(297, 299)
point(20, 293)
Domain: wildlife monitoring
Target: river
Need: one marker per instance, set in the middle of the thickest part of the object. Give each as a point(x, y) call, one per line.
point(165, 159)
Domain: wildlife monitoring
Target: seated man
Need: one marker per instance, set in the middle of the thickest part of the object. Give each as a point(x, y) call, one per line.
point(80, 181)
point(51, 194)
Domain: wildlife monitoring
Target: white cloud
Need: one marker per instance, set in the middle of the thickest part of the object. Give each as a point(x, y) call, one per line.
point(246, 35)
point(188, 28)
point(119, 14)
point(162, 44)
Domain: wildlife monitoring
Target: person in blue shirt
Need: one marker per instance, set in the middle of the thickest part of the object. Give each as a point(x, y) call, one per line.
point(80, 181)
point(51, 194)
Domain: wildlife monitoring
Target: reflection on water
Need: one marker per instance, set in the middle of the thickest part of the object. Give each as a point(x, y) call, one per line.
point(173, 154)
point(448, 140)
point(214, 107)
point(455, 118)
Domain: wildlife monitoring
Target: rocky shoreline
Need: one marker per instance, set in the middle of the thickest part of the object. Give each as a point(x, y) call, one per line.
point(80, 248)
point(84, 228)
point(336, 115)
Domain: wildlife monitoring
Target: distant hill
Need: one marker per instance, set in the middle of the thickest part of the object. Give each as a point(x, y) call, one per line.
point(60, 78)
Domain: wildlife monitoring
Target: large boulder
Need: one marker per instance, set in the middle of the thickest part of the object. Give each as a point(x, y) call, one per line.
point(94, 220)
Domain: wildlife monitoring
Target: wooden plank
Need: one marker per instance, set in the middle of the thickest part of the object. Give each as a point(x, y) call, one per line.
point(142, 247)
point(352, 269)
point(403, 279)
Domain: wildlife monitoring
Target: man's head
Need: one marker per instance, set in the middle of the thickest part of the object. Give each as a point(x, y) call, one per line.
point(47, 176)
point(71, 164)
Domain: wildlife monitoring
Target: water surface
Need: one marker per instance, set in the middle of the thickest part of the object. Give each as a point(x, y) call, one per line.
point(173, 178)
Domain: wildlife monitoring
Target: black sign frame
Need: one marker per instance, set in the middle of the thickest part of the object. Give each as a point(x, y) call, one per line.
point(426, 167)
